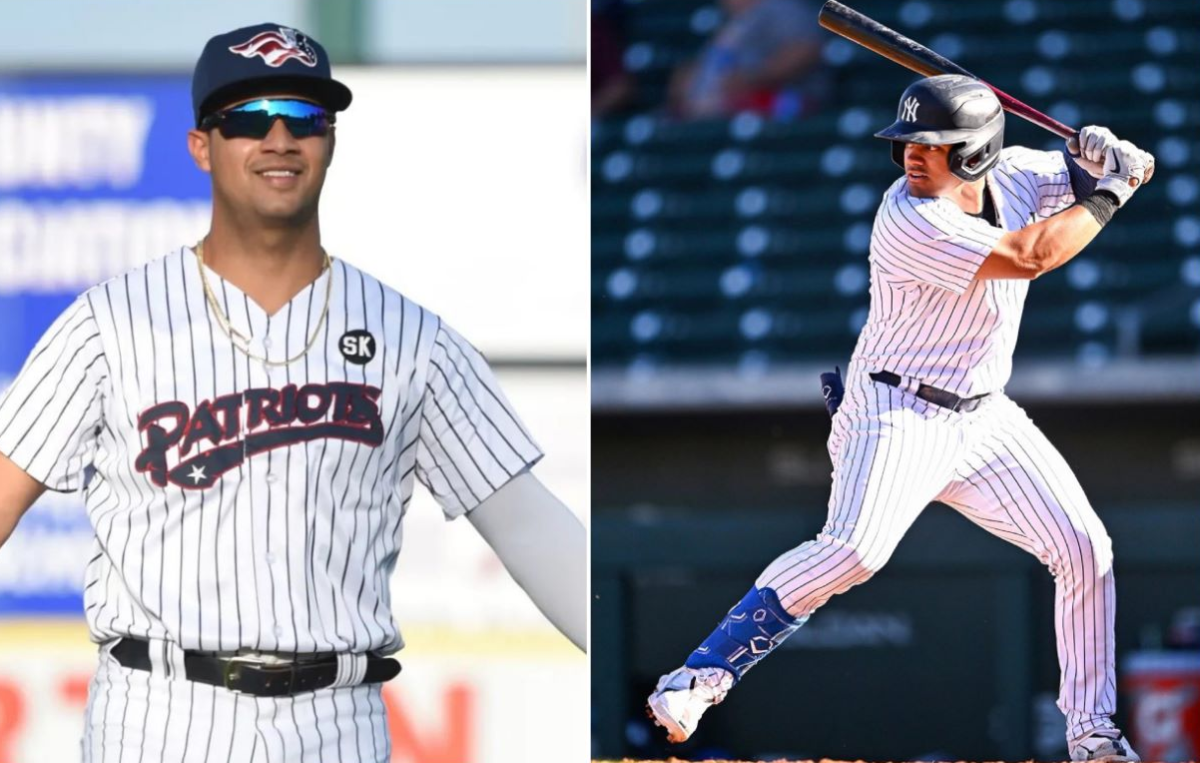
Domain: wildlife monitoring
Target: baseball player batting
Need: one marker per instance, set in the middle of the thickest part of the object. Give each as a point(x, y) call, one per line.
point(253, 414)
point(924, 416)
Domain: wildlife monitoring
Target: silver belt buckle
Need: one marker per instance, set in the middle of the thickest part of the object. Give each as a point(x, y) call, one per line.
point(232, 674)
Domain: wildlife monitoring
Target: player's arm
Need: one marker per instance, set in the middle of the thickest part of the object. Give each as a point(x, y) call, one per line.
point(543, 546)
point(18, 491)
point(1051, 243)
point(50, 415)
point(1041, 247)
point(474, 455)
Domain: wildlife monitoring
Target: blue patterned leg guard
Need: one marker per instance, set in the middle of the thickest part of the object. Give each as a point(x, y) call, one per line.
point(755, 626)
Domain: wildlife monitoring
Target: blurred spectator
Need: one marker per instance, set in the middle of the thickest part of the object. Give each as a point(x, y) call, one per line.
point(613, 87)
point(765, 58)
point(1184, 632)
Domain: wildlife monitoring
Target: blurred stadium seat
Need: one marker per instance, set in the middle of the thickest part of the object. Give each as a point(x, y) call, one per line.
point(698, 223)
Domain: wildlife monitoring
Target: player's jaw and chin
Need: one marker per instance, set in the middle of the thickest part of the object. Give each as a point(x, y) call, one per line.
point(242, 179)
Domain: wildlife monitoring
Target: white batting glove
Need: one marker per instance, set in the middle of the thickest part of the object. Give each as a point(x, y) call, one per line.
point(1125, 169)
point(1149, 157)
point(1089, 147)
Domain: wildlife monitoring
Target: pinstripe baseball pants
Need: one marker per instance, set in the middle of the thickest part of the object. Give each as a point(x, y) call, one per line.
point(137, 715)
point(893, 453)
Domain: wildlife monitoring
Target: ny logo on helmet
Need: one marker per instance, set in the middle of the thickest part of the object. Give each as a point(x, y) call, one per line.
point(908, 109)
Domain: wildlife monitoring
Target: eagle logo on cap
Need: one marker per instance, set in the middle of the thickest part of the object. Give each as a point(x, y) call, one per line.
point(277, 47)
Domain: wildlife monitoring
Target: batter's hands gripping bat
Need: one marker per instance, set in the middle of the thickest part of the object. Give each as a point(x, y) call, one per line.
point(910, 54)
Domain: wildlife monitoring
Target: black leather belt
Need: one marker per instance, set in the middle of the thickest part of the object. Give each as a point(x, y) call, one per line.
point(933, 395)
point(248, 675)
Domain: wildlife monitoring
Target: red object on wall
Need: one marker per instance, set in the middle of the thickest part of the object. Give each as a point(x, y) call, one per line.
point(453, 742)
point(12, 715)
point(1164, 691)
point(74, 689)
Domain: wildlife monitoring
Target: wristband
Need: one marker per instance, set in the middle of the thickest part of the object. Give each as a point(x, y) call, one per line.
point(1102, 204)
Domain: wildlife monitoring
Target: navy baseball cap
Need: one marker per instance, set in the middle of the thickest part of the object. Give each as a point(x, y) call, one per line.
point(260, 59)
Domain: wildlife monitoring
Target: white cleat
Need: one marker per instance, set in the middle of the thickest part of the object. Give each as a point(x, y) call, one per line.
point(683, 695)
point(1107, 746)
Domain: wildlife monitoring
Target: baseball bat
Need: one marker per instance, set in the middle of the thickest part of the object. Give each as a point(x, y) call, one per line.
point(854, 26)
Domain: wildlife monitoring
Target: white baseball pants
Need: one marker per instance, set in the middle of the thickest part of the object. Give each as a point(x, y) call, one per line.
point(894, 453)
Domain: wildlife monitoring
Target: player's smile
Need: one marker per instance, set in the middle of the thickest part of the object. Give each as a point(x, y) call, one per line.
point(279, 176)
point(278, 159)
point(271, 167)
point(282, 177)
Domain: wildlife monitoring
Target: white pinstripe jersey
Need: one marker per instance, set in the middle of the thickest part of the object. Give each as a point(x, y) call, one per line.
point(929, 319)
point(241, 505)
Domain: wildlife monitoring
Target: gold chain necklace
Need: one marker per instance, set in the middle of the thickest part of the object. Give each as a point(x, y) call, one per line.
point(240, 340)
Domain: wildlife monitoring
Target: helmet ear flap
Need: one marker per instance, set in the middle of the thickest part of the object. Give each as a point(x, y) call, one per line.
point(898, 153)
point(974, 166)
point(961, 165)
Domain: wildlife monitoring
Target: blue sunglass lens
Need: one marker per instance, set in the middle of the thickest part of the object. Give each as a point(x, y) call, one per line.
point(255, 118)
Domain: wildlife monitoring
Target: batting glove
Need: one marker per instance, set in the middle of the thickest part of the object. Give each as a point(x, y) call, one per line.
point(1089, 146)
point(1126, 167)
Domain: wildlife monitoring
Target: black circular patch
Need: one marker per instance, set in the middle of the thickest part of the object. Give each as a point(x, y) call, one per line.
point(357, 346)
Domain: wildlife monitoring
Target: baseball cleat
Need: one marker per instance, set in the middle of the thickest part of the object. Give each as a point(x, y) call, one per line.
point(683, 695)
point(1106, 745)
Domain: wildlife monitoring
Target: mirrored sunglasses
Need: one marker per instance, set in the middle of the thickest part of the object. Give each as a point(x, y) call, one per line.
point(255, 118)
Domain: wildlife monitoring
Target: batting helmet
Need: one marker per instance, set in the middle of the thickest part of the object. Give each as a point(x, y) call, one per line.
point(953, 110)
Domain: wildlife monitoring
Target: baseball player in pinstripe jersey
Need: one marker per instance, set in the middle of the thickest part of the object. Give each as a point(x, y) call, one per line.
point(253, 415)
point(924, 417)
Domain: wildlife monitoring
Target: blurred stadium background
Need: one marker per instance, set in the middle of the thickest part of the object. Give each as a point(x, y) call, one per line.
point(729, 268)
point(460, 179)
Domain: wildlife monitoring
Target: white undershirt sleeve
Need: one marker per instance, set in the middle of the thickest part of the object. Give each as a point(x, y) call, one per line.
point(543, 546)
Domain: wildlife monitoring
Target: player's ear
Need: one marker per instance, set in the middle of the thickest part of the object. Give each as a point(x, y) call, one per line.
point(198, 146)
point(332, 144)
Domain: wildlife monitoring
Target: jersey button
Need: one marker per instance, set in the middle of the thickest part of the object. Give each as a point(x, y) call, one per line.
point(270, 558)
point(267, 343)
point(278, 631)
point(271, 478)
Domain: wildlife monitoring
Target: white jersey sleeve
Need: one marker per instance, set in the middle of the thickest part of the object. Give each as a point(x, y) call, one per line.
point(471, 441)
point(51, 415)
point(930, 240)
point(1039, 181)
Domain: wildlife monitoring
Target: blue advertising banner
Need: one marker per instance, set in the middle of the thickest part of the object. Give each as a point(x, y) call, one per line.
point(95, 177)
